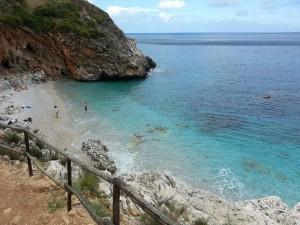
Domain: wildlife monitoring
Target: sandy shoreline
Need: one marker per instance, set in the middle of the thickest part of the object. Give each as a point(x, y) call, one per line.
point(38, 102)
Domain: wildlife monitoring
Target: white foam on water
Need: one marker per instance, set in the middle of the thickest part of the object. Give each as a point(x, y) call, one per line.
point(229, 185)
point(159, 69)
point(110, 137)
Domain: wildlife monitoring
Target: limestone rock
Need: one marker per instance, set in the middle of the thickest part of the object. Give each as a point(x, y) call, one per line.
point(98, 153)
point(174, 197)
point(106, 188)
point(56, 170)
point(20, 80)
point(106, 221)
point(294, 216)
point(59, 172)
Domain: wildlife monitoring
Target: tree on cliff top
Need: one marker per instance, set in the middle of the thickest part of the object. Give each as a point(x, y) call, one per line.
point(55, 15)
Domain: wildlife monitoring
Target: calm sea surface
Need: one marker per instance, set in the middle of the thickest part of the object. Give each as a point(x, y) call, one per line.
point(203, 115)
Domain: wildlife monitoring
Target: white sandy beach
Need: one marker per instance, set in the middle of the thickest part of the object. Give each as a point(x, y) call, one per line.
point(38, 102)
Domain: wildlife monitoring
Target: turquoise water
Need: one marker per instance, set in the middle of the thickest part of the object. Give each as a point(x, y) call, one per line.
point(202, 115)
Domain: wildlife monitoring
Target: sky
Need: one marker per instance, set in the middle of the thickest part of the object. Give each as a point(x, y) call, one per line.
point(167, 16)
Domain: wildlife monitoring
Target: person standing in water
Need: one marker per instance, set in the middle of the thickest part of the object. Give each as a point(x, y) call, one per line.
point(85, 106)
point(56, 111)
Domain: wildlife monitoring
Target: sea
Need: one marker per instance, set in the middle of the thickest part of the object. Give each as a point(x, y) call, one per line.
point(220, 112)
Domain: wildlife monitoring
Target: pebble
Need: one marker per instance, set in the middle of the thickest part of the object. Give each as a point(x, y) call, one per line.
point(7, 211)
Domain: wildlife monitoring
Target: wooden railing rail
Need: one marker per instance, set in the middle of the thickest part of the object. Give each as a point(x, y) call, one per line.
point(119, 186)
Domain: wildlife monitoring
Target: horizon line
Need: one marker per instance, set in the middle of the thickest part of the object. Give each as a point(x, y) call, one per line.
point(280, 32)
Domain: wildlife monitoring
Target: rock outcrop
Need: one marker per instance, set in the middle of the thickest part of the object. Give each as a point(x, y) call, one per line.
point(98, 154)
point(59, 171)
point(20, 81)
point(188, 205)
point(84, 45)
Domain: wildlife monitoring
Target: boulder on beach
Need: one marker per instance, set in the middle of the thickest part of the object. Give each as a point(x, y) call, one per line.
point(98, 154)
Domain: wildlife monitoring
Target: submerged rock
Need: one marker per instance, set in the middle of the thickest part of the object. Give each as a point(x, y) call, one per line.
point(98, 153)
point(267, 97)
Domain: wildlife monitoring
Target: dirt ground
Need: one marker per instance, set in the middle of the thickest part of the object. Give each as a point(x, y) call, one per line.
point(34, 200)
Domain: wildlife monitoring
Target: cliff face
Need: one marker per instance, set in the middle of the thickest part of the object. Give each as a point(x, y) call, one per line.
point(70, 38)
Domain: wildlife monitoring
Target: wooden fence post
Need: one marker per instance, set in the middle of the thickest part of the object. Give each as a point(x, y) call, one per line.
point(118, 185)
point(27, 150)
point(69, 168)
point(116, 205)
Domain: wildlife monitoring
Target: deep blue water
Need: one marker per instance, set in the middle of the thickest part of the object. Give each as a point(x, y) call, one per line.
point(202, 115)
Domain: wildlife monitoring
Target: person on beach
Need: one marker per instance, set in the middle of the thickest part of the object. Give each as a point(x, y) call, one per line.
point(56, 111)
point(85, 106)
point(13, 121)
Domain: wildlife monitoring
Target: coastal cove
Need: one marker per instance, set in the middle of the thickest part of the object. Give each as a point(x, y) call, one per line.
point(204, 115)
point(149, 128)
point(230, 141)
point(157, 188)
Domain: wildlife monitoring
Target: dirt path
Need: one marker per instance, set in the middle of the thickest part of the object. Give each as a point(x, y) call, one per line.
point(35, 200)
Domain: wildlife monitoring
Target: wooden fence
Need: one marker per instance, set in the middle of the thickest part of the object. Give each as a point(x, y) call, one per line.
point(119, 186)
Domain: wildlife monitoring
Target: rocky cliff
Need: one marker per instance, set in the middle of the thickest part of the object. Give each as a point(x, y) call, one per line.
point(66, 38)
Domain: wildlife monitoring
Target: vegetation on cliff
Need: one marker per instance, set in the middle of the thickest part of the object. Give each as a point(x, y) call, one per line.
point(55, 15)
point(66, 38)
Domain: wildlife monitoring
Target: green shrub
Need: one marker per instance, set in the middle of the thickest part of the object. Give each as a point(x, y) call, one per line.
point(11, 20)
point(12, 155)
point(35, 152)
point(55, 204)
point(40, 145)
point(100, 19)
point(99, 209)
point(55, 15)
point(11, 137)
point(175, 212)
point(57, 9)
point(201, 221)
point(147, 220)
point(19, 11)
point(88, 182)
point(39, 24)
